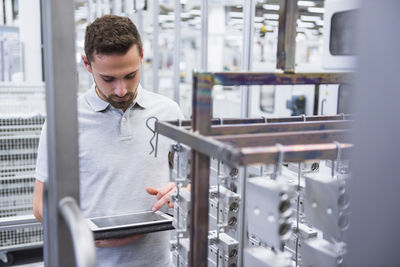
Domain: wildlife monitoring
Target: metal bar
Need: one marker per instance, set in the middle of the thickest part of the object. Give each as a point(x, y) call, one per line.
point(279, 127)
point(202, 102)
point(316, 99)
point(199, 210)
point(271, 78)
point(19, 226)
point(155, 61)
point(200, 162)
point(204, 35)
point(292, 153)
point(22, 219)
point(290, 138)
point(62, 127)
point(228, 121)
point(287, 35)
point(242, 229)
point(249, 10)
point(82, 236)
point(177, 52)
point(195, 140)
point(249, 155)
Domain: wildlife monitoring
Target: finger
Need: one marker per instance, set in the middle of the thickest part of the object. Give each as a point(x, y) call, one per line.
point(152, 190)
point(171, 204)
point(158, 205)
point(165, 189)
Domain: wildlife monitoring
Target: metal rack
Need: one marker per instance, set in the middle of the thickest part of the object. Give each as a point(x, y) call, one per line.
point(19, 139)
point(243, 142)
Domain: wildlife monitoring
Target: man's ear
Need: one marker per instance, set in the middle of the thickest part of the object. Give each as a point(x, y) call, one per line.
point(141, 58)
point(86, 63)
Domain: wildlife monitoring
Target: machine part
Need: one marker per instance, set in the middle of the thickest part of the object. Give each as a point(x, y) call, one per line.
point(343, 170)
point(254, 241)
point(182, 200)
point(224, 207)
point(223, 174)
point(319, 252)
point(263, 257)
point(181, 252)
point(269, 210)
point(181, 220)
point(222, 250)
point(305, 232)
point(326, 204)
point(178, 261)
point(305, 167)
point(182, 163)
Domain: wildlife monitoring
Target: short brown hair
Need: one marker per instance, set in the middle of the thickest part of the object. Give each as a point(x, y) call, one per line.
point(111, 34)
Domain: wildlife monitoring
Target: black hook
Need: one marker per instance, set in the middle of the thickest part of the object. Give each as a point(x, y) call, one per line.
point(155, 134)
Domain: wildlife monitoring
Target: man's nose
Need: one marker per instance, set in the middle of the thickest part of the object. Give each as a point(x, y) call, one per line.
point(120, 88)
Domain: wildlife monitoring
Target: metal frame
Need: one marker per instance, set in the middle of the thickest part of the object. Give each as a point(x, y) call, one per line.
point(287, 35)
point(177, 47)
point(156, 55)
point(308, 138)
point(249, 11)
point(62, 137)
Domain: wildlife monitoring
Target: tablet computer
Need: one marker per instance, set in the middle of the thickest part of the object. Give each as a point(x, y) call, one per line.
point(131, 220)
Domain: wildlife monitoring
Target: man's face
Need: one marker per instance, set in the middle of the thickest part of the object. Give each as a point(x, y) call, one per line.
point(116, 76)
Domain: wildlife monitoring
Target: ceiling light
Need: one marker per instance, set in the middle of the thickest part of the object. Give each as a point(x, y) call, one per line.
point(305, 24)
point(271, 7)
point(271, 16)
point(258, 19)
point(195, 12)
point(316, 10)
point(272, 22)
point(236, 14)
point(305, 3)
point(310, 18)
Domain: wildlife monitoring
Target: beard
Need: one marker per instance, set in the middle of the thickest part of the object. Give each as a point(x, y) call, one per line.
point(111, 99)
point(121, 104)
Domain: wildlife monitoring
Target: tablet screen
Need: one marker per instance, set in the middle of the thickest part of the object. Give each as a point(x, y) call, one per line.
point(127, 220)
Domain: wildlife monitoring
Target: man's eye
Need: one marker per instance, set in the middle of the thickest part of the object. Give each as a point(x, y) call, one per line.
point(129, 77)
point(108, 79)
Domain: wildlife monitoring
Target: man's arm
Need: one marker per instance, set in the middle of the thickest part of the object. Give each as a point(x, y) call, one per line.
point(38, 213)
point(38, 200)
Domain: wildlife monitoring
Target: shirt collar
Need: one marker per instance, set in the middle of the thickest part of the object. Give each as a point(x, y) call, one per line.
point(141, 97)
point(98, 104)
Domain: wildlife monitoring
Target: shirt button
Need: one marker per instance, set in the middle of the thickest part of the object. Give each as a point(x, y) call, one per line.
point(124, 119)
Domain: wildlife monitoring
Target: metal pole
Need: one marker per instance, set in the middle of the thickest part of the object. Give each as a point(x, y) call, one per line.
point(177, 41)
point(156, 11)
point(139, 25)
point(316, 99)
point(90, 12)
point(128, 7)
point(287, 35)
point(199, 192)
point(249, 10)
point(62, 131)
point(117, 7)
point(204, 35)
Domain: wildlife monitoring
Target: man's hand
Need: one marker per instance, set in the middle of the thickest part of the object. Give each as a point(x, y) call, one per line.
point(116, 242)
point(162, 195)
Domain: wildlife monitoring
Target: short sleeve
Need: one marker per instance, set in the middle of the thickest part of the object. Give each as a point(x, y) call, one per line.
point(41, 171)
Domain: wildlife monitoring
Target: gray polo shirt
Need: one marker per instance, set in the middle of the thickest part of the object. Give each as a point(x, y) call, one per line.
point(115, 167)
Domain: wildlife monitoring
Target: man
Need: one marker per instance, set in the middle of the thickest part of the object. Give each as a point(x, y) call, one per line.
point(114, 162)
